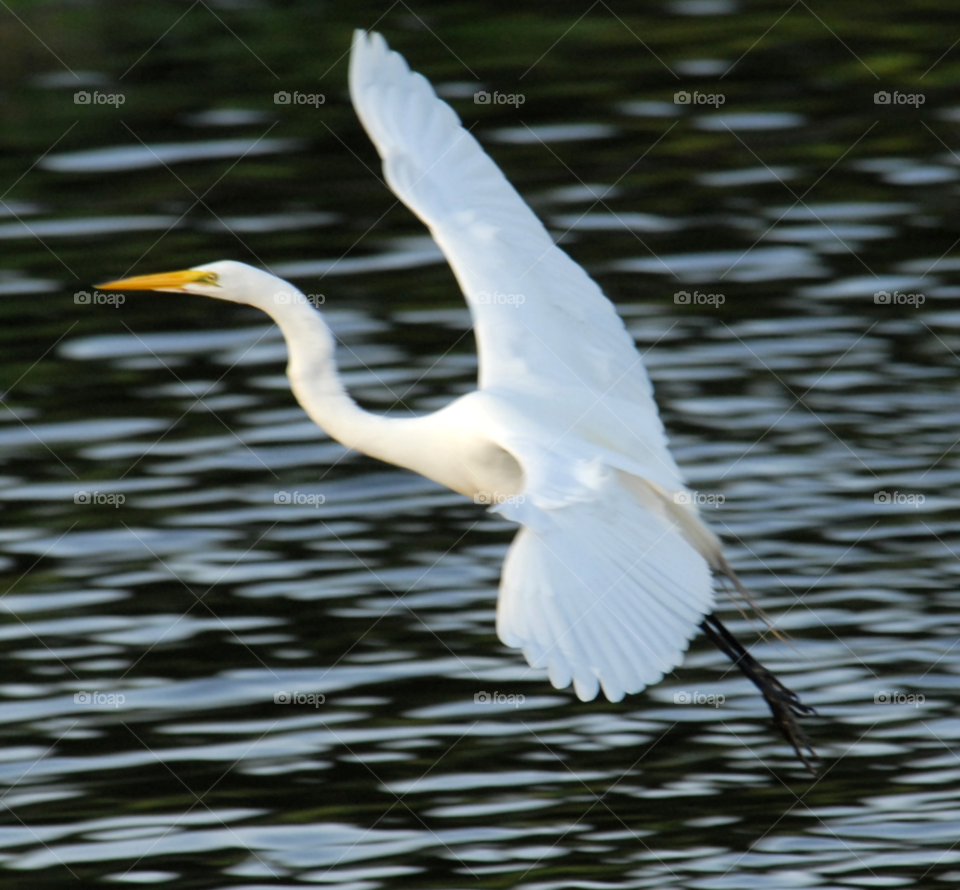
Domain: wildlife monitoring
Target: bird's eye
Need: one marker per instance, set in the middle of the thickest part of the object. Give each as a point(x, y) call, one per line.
point(209, 278)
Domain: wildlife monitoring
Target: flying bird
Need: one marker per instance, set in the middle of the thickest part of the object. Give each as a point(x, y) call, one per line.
point(611, 573)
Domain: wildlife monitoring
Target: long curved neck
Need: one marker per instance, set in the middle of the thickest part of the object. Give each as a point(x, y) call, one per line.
point(313, 377)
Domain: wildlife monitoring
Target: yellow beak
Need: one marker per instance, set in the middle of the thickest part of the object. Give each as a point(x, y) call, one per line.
point(174, 281)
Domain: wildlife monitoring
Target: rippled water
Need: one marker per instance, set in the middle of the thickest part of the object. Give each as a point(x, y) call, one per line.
point(143, 643)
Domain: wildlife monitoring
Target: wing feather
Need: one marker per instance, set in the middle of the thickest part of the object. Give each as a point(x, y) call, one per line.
point(604, 593)
point(565, 332)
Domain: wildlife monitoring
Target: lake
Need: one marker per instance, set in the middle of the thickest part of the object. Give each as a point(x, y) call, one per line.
point(236, 655)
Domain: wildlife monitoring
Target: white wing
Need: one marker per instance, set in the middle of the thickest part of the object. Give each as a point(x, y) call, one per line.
point(565, 333)
point(602, 592)
point(606, 583)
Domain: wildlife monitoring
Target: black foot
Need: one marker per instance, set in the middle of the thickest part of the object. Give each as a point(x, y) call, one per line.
point(784, 703)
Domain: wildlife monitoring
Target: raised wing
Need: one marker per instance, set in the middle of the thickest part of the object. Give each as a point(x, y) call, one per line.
point(542, 324)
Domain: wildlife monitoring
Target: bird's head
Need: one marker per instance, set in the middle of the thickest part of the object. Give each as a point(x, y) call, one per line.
point(225, 280)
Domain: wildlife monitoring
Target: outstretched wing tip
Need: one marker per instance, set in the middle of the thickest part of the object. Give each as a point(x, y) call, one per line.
point(369, 57)
point(360, 44)
point(368, 40)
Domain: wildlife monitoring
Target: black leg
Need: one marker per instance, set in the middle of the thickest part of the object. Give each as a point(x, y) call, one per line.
point(784, 703)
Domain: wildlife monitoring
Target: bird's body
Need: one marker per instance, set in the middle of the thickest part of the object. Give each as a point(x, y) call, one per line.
point(611, 573)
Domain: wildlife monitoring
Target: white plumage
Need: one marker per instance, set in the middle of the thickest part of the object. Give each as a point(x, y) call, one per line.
point(597, 587)
point(610, 575)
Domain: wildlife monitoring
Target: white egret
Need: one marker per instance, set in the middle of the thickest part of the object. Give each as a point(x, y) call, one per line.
point(610, 575)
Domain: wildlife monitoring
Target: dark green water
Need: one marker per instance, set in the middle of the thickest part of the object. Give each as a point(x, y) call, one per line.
point(199, 599)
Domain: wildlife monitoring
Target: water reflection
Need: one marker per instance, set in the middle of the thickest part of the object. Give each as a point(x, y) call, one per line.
point(137, 157)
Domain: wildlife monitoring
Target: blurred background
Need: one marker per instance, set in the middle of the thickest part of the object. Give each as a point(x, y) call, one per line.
point(155, 599)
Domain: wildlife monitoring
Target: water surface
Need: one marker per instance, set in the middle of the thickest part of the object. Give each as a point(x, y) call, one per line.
point(145, 643)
